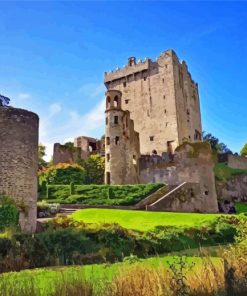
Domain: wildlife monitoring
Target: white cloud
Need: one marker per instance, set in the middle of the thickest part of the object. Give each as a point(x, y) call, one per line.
point(75, 124)
point(23, 96)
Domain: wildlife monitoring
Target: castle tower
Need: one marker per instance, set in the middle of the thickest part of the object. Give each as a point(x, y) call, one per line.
point(121, 143)
point(163, 101)
point(19, 131)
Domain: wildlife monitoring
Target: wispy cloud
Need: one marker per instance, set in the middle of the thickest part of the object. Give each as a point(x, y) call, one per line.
point(23, 96)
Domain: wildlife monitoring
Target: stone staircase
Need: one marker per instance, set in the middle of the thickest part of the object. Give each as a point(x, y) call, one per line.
point(141, 205)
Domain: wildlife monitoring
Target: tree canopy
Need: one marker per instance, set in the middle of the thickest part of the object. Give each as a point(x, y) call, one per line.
point(216, 144)
point(243, 151)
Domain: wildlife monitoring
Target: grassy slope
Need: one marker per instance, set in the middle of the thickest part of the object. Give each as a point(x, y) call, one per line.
point(241, 207)
point(141, 220)
point(44, 279)
point(224, 173)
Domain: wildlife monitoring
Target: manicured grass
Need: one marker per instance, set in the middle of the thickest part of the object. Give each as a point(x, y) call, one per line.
point(241, 207)
point(224, 172)
point(43, 279)
point(142, 220)
point(101, 194)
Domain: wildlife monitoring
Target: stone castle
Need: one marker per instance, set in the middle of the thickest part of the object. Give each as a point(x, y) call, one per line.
point(162, 99)
point(153, 133)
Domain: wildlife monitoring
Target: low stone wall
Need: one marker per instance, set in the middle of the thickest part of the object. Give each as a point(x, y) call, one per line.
point(237, 162)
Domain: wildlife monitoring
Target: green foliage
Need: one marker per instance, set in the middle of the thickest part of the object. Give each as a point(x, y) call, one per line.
point(224, 172)
point(243, 151)
point(101, 194)
point(95, 169)
point(45, 209)
point(41, 155)
point(9, 214)
point(63, 174)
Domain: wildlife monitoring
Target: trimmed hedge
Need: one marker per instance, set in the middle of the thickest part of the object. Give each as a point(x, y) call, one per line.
point(101, 194)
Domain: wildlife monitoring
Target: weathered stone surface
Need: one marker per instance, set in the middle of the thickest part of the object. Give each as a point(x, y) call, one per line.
point(234, 189)
point(65, 154)
point(19, 161)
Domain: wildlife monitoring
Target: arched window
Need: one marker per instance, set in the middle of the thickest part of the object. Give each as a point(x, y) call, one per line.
point(116, 102)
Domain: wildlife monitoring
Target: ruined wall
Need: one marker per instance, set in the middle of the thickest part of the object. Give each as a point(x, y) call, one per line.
point(237, 162)
point(19, 161)
point(89, 146)
point(121, 143)
point(65, 154)
point(193, 164)
point(234, 189)
point(159, 95)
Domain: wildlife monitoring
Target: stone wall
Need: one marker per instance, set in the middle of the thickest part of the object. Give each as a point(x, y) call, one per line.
point(65, 154)
point(185, 198)
point(162, 99)
point(237, 162)
point(19, 161)
point(234, 189)
point(193, 164)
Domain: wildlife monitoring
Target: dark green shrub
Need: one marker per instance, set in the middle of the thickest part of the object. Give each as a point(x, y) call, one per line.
point(9, 214)
point(72, 188)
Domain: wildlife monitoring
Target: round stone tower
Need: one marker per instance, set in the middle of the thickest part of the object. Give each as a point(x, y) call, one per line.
point(19, 161)
point(115, 150)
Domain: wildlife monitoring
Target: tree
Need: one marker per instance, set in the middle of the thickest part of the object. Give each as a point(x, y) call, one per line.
point(216, 144)
point(95, 169)
point(243, 151)
point(41, 155)
point(63, 173)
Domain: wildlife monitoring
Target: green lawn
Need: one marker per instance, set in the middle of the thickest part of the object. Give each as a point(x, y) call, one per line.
point(142, 220)
point(224, 172)
point(44, 280)
point(241, 207)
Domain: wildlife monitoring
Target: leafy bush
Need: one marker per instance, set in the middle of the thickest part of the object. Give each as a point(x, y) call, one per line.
point(68, 242)
point(101, 194)
point(9, 214)
point(63, 174)
point(94, 166)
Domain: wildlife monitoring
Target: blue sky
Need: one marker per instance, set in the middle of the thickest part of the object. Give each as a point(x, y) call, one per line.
point(53, 56)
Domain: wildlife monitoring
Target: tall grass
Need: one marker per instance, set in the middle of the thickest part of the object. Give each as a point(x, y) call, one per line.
point(226, 278)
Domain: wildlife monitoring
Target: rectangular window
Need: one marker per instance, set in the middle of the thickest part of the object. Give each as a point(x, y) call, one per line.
point(107, 156)
point(124, 84)
point(151, 138)
point(107, 140)
point(126, 102)
point(116, 140)
point(116, 119)
point(144, 78)
point(106, 120)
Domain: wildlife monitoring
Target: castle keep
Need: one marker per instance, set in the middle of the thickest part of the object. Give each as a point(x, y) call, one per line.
point(162, 99)
point(153, 134)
